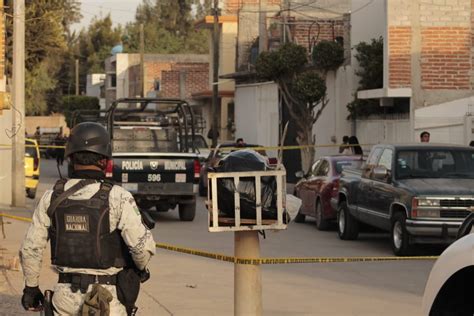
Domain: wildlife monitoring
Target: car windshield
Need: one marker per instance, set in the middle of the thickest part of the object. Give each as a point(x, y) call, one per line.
point(435, 163)
point(340, 165)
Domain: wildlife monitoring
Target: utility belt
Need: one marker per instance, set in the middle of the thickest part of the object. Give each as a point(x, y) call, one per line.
point(81, 281)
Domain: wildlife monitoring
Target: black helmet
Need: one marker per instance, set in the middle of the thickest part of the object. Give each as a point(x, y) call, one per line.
point(91, 137)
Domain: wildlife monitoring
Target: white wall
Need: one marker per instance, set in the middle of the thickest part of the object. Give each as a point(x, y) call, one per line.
point(256, 113)
point(94, 83)
point(449, 122)
point(383, 131)
point(368, 21)
point(333, 125)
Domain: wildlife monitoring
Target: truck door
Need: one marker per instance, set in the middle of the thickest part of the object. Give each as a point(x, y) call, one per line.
point(365, 184)
point(382, 193)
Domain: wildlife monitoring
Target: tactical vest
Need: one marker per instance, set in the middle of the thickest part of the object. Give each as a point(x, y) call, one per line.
point(80, 230)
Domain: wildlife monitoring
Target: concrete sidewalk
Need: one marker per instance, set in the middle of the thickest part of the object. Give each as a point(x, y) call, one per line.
point(172, 277)
point(183, 284)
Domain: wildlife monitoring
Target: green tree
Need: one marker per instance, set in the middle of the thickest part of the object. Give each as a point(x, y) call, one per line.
point(46, 26)
point(168, 27)
point(72, 103)
point(303, 90)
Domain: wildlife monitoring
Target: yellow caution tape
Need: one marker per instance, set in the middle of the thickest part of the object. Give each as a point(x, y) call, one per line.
point(24, 219)
point(39, 146)
point(259, 261)
point(292, 147)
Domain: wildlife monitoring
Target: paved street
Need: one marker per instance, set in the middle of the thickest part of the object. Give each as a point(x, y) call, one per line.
point(388, 288)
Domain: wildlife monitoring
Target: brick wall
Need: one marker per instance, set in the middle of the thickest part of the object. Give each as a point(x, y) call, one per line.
point(445, 58)
point(399, 56)
point(196, 80)
point(446, 48)
point(168, 74)
point(446, 44)
point(322, 30)
point(232, 6)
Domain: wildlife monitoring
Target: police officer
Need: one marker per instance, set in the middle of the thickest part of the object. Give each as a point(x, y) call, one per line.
point(94, 228)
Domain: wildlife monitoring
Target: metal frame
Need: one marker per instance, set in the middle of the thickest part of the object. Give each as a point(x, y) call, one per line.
point(182, 108)
point(213, 211)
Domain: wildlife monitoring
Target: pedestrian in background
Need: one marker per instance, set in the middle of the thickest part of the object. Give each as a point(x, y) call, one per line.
point(345, 141)
point(240, 142)
point(354, 146)
point(425, 137)
point(471, 143)
point(60, 140)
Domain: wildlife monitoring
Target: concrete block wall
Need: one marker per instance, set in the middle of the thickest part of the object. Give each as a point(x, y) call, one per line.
point(446, 50)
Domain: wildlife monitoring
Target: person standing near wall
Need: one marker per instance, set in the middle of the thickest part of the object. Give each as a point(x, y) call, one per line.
point(425, 137)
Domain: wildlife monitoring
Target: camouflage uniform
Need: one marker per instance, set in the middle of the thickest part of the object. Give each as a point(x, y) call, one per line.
point(124, 215)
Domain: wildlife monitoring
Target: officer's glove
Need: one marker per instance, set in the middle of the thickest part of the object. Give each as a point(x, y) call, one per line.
point(144, 275)
point(32, 298)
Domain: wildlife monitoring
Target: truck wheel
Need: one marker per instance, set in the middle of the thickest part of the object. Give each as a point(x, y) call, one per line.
point(202, 189)
point(321, 223)
point(347, 225)
point(187, 212)
point(31, 193)
point(399, 235)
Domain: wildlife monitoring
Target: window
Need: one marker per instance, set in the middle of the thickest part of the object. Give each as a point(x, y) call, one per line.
point(157, 85)
point(315, 167)
point(435, 163)
point(386, 159)
point(374, 156)
point(113, 81)
point(323, 169)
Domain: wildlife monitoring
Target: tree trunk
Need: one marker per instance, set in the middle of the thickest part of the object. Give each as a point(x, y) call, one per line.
point(307, 153)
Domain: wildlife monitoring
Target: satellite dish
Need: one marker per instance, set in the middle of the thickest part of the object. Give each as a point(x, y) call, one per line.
point(117, 49)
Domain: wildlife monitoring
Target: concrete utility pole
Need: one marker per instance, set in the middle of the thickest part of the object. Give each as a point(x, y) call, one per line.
point(215, 72)
point(18, 121)
point(77, 76)
point(262, 27)
point(142, 60)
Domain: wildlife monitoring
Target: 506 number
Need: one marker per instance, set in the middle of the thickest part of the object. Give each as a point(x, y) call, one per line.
point(153, 177)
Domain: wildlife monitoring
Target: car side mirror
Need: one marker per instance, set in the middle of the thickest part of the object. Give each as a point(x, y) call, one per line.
point(380, 173)
point(299, 174)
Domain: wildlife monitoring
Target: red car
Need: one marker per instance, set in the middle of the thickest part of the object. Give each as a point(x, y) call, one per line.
point(318, 187)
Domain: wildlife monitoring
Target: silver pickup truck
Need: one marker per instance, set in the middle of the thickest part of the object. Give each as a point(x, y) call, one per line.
point(148, 158)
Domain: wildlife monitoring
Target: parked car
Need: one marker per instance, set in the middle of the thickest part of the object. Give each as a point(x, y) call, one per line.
point(420, 193)
point(216, 155)
point(32, 167)
point(448, 290)
point(320, 185)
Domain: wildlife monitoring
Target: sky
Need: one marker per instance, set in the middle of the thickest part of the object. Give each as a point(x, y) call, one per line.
point(122, 11)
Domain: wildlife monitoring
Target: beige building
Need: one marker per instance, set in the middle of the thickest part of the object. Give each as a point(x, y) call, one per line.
point(227, 64)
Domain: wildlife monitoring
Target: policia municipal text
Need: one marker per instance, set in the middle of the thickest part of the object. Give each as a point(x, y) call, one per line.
point(99, 243)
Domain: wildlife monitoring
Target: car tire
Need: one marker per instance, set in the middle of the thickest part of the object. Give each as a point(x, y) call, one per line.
point(321, 222)
point(187, 211)
point(202, 189)
point(347, 225)
point(399, 236)
point(31, 193)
